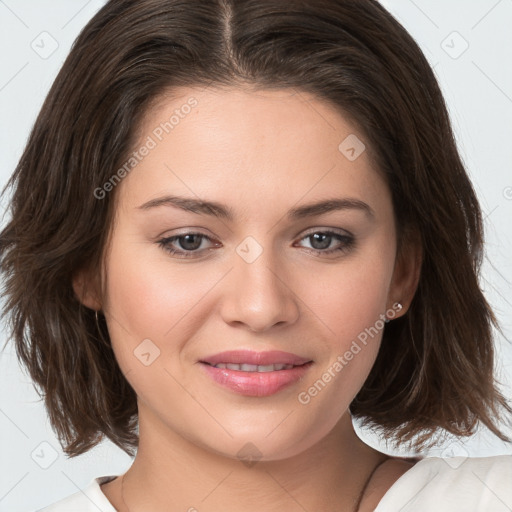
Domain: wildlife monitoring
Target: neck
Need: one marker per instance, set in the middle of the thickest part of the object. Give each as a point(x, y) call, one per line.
point(170, 472)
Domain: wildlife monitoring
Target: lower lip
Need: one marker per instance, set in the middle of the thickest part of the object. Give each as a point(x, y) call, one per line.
point(256, 383)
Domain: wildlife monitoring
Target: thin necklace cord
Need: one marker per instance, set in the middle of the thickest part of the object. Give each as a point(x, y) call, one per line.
point(356, 508)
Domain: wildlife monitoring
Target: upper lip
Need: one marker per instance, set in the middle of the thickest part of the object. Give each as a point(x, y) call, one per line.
point(257, 358)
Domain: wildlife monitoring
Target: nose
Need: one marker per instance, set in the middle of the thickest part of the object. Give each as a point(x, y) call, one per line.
point(259, 293)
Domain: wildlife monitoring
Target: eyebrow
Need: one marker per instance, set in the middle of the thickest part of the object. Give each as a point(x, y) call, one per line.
point(222, 211)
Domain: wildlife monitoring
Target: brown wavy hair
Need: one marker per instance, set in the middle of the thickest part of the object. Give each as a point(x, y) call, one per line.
point(435, 367)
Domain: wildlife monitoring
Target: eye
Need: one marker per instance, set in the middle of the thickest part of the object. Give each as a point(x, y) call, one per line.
point(321, 242)
point(190, 244)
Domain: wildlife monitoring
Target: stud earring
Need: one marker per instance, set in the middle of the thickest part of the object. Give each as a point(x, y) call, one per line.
point(391, 313)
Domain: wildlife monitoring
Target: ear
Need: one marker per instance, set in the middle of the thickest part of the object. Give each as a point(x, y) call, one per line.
point(87, 288)
point(406, 274)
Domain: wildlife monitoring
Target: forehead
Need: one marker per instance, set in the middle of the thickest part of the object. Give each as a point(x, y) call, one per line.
point(286, 116)
point(252, 144)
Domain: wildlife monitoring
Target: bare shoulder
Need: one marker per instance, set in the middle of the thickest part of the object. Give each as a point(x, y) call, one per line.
point(383, 478)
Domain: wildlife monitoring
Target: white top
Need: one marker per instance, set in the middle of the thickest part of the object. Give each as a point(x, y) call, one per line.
point(456, 484)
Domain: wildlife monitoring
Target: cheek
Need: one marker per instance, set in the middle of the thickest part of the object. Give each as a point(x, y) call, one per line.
point(149, 298)
point(349, 297)
point(348, 302)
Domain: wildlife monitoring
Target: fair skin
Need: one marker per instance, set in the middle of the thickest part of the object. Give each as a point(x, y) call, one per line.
point(260, 154)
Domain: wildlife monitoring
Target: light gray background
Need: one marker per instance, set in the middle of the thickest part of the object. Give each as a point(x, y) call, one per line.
point(35, 37)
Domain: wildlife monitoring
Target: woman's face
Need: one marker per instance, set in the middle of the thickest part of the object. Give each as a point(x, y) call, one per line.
point(262, 270)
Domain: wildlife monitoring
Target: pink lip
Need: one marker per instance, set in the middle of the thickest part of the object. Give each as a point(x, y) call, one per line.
point(258, 358)
point(256, 383)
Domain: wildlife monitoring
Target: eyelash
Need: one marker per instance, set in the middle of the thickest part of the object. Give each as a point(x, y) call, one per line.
point(347, 245)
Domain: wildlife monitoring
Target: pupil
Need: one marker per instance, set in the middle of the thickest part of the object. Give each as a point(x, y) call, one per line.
point(325, 242)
